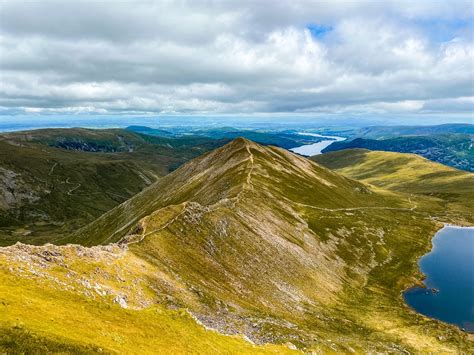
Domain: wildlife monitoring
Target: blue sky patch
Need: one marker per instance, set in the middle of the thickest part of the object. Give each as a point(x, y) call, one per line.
point(318, 31)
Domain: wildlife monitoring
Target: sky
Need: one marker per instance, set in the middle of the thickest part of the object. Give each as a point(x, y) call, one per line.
point(406, 60)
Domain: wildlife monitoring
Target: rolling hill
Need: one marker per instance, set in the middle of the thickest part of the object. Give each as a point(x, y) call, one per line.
point(250, 240)
point(455, 150)
point(408, 173)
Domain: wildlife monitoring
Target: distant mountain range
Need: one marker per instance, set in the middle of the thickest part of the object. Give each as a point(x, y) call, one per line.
point(280, 138)
point(377, 132)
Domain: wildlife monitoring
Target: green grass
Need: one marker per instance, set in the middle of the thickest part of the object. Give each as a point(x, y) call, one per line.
point(446, 191)
point(44, 319)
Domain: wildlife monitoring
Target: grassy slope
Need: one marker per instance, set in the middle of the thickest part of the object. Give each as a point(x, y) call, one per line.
point(45, 318)
point(49, 184)
point(450, 188)
point(252, 240)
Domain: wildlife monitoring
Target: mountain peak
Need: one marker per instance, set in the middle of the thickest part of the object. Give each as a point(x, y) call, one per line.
point(242, 141)
point(240, 174)
point(250, 228)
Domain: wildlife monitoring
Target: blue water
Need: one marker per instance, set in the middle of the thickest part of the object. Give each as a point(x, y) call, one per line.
point(449, 269)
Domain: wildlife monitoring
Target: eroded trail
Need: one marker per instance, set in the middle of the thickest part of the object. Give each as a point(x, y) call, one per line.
point(137, 238)
point(73, 189)
point(356, 208)
point(249, 176)
point(248, 180)
point(52, 169)
point(414, 205)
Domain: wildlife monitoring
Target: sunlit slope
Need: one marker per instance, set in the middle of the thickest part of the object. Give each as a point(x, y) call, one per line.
point(260, 241)
point(409, 173)
point(65, 300)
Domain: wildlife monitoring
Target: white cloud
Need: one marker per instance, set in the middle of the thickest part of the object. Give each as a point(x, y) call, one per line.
point(236, 57)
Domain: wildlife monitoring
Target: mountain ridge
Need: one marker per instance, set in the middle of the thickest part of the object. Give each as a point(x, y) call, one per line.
point(236, 157)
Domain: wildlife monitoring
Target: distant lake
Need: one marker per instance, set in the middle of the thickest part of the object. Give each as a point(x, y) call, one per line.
point(449, 270)
point(315, 148)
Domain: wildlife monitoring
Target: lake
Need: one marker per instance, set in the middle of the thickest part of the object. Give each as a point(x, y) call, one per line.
point(315, 148)
point(449, 270)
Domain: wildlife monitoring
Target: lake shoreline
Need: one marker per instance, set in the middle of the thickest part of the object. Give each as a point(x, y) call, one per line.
point(424, 292)
point(309, 150)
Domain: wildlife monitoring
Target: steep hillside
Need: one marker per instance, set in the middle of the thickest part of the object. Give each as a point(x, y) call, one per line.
point(409, 173)
point(252, 240)
point(225, 175)
point(455, 150)
point(52, 181)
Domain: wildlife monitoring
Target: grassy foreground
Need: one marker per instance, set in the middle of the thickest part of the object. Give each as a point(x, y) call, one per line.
point(40, 317)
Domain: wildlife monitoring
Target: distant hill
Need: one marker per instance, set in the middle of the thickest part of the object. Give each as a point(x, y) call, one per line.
point(55, 180)
point(456, 150)
point(376, 132)
point(150, 131)
point(284, 139)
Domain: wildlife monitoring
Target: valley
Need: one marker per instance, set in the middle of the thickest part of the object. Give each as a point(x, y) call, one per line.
point(316, 148)
point(54, 180)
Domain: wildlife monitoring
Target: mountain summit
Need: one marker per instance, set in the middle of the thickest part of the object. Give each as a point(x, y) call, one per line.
point(239, 173)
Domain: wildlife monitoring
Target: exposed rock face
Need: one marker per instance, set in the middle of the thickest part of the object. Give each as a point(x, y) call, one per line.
point(14, 191)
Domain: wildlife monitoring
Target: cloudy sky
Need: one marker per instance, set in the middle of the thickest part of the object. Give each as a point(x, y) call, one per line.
point(369, 58)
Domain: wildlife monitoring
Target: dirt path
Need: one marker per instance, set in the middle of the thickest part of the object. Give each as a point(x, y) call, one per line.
point(414, 205)
point(73, 189)
point(357, 208)
point(249, 175)
point(248, 181)
point(143, 236)
point(52, 169)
